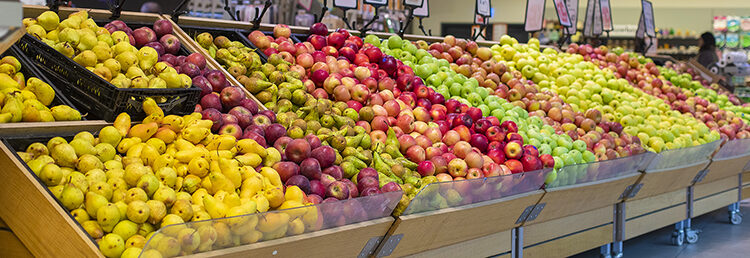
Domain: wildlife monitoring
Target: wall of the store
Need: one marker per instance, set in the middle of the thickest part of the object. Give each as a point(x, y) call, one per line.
point(695, 15)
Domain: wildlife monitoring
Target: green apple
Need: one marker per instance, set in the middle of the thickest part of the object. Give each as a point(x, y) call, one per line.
point(544, 149)
point(394, 42)
point(588, 157)
point(558, 151)
point(499, 113)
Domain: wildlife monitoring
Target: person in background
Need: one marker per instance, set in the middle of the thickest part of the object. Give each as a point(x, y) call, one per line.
point(150, 7)
point(707, 53)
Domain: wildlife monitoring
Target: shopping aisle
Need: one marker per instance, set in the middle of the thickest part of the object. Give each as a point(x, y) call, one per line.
point(718, 238)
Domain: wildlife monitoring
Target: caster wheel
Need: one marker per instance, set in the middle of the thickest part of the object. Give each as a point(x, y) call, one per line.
point(735, 218)
point(691, 237)
point(678, 238)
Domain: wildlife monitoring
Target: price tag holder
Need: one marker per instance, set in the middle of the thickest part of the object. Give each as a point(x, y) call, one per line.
point(346, 4)
point(648, 18)
point(422, 11)
point(562, 13)
point(606, 11)
point(413, 3)
point(376, 3)
point(573, 13)
point(483, 8)
point(534, 15)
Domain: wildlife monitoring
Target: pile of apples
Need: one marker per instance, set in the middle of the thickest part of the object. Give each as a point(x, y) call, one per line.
point(647, 77)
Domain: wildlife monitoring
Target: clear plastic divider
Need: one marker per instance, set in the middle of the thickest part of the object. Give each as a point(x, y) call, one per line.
point(210, 235)
point(441, 195)
point(601, 170)
point(733, 148)
point(683, 156)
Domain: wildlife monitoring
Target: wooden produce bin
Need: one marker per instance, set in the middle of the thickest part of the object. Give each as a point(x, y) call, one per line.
point(10, 245)
point(589, 187)
point(671, 170)
point(477, 226)
point(643, 215)
point(710, 196)
point(569, 235)
point(730, 160)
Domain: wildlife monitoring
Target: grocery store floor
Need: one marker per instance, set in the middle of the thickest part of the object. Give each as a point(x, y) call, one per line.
point(718, 238)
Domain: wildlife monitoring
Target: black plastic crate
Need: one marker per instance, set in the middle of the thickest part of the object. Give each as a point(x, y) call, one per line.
point(231, 34)
point(97, 96)
point(28, 69)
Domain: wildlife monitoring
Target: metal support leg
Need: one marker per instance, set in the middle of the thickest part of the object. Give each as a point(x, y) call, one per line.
point(619, 230)
point(605, 251)
point(735, 216)
point(516, 248)
point(691, 236)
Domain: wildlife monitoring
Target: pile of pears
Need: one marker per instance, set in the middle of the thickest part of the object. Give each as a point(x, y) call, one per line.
point(265, 81)
point(110, 56)
point(28, 100)
point(131, 181)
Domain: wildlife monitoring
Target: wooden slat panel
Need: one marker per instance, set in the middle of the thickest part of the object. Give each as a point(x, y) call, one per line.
point(654, 221)
point(345, 241)
point(725, 168)
point(430, 230)
point(481, 247)
point(565, 201)
point(572, 244)
point(50, 128)
point(655, 183)
point(715, 202)
point(10, 246)
point(746, 192)
point(537, 233)
point(29, 208)
point(634, 208)
point(708, 188)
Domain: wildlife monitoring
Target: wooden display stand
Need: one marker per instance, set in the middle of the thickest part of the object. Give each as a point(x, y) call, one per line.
point(714, 195)
point(646, 214)
point(724, 168)
point(10, 245)
point(344, 241)
point(657, 182)
point(569, 200)
point(479, 229)
point(569, 235)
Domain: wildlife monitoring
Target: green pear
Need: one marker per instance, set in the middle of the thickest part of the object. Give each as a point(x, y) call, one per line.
point(65, 113)
point(108, 216)
point(72, 197)
point(36, 166)
point(117, 183)
point(149, 183)
point(131, 252)
point(105, 152)
point(125, 229)
point(167, 176)
point(147, 57)
point(113, 165)
point(94, 202)
point(112, 245)
point(54, 142)
point(102, 188)
point(133, 174)
point(123, 209)
point(118, 195)
point(95, 175)
point(138, 211)
point(135, 194)
point(82, 146)
point(157, 211)
point(57, 191)
point(182, 208)
point(166, 195)
point(37, 149)
point(93, 229)
point(78, 180)
point(80, 215)
point(136, 241)
point(51, 175)
point(64, 155)
point(88, 162)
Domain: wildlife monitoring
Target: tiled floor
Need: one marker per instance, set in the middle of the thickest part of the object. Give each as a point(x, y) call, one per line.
point(718, 238)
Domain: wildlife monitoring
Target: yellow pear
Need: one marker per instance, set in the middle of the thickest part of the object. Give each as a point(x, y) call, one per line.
point(112, 245)
point(65, 113)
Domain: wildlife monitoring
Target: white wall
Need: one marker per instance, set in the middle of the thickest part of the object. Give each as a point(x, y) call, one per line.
point(695, 15)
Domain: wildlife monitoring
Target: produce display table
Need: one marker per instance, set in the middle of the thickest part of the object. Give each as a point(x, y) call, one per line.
point(730, 160)
point(709, 196)
point(569, 235)
point(474, 222)
point(672, 170)
point(644, 215)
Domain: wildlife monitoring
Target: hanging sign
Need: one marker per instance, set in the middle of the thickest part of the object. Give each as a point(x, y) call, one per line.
point(592, 25)
point(606, 15)
point(483, 8)
point(562, 13)
point(534, 15)
point(573, 13)
point(377, 3)
point(413, 3)
point(345, 4)
point(423, 11)
point(646, 23)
